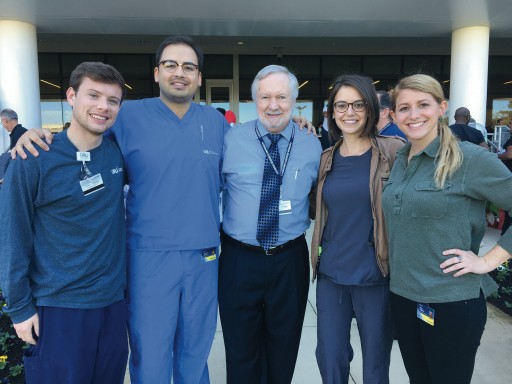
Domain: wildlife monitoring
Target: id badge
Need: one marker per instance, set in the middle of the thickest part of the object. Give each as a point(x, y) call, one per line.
point(208, 255)
point(285, 207)
point(83, 156)
point(425, 313)
point(92, 184)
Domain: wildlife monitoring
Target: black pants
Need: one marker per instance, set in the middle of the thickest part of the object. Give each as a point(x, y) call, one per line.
point(443, 353)
point(262, 301)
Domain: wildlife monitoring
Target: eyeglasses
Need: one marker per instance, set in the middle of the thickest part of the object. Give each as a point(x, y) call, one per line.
point(171, 66)
point(357, 106)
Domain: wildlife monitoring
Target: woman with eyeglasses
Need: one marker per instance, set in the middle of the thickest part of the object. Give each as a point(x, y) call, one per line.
point(349, 248)
point(434, 204)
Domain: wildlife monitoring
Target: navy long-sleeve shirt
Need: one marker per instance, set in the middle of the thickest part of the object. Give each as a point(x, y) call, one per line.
point(60, 247)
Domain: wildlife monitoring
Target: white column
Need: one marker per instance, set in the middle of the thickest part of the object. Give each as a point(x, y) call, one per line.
point(468, 72)
point(19, 74)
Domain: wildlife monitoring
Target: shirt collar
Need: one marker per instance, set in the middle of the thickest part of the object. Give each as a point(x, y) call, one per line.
point(286, 133)
point(431, 149)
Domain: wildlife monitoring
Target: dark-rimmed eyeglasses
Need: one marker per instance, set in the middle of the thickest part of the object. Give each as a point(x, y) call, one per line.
point(171, 66)
point(357, 106)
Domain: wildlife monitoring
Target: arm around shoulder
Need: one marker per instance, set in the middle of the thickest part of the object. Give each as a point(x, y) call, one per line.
point(29, 138)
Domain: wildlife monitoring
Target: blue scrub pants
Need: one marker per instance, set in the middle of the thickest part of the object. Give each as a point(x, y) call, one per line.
point(172, 315)
point(337, 304)
point(79, 346)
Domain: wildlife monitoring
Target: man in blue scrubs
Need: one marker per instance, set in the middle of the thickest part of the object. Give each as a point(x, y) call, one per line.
point(263, 284)
point(173, 153)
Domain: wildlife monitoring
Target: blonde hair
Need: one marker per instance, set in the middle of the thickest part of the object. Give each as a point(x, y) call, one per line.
point(449, 156)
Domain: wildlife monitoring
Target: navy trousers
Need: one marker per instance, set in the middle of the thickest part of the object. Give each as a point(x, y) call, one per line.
point(444, 353)
point(79, 346)
point(262, 302)
point(337, 304)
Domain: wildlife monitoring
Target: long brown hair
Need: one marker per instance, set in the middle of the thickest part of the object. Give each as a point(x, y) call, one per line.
point(365, 87)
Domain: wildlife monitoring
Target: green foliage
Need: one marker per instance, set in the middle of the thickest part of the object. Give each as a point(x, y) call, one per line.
point(11, 350)
point(16, 370)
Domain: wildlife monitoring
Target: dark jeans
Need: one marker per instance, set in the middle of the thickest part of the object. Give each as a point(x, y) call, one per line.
point(445, 352)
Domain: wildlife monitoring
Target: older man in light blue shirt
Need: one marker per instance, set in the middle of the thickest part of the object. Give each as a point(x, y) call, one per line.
point(263, 286)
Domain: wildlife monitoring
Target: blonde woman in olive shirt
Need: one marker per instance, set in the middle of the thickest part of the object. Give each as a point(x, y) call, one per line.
point(434, 207)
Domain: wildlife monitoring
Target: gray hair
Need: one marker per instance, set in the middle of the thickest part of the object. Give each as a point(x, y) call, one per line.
point(9, 114)
point(271, 69)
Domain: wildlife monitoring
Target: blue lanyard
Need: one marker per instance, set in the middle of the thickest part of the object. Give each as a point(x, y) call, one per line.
point(287, 156)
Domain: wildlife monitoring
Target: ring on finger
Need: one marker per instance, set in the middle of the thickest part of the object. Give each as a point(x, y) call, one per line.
point(459, 258)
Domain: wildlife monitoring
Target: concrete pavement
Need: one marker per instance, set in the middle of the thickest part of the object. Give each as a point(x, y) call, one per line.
point(493, 361)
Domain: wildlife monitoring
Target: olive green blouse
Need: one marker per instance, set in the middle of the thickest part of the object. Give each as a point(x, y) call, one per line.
point(423, 220)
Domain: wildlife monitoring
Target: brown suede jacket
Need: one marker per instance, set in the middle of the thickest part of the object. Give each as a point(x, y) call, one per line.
point(383, 156)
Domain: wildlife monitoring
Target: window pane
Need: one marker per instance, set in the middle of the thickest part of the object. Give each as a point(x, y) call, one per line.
point(48, 65)
point(55, 113)
point(138, 88)
point(381, 65)
point(218, 67)
point(430, 65)
point(303, 66)
point(333, 66)
point(131, 65)
point(500, 65)
point(251, 65)
point(71, 60)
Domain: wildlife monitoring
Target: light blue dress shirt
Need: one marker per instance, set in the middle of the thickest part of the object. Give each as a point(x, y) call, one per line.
point(242, 170)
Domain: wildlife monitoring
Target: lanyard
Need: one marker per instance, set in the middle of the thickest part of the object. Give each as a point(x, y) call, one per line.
point(286, 157)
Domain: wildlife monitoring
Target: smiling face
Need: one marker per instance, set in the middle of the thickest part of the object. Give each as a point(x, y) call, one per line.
point(177, 87)
point(95, 106)
point(350, 122)
point(274, 102)
point(417, 114)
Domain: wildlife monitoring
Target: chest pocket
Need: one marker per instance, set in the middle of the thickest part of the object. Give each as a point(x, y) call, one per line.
point(429, 201)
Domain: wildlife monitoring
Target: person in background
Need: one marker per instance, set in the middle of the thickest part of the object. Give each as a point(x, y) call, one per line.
point(230, 117)
point(324, 139)
point(433, 203)
point(62, 259)
point(349, 245)
point(9, 120)
point(464, 132)
point(385, 125)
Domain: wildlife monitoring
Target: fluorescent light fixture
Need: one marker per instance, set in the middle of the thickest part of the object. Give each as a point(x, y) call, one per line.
point(508, 82)
point(47, 82)
point(376, 82)
point(127, 86)
point(446, 81)
point(304, 83)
